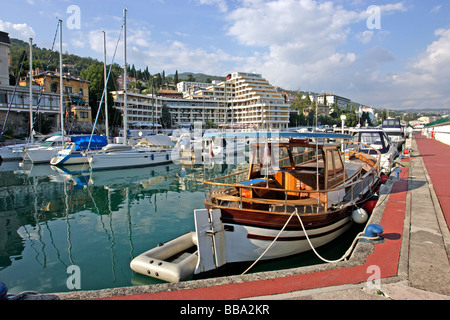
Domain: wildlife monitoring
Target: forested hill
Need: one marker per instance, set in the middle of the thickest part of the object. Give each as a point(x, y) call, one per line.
point(48, 60)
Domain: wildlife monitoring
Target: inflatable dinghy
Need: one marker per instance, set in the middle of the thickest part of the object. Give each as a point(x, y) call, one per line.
point(173, 261)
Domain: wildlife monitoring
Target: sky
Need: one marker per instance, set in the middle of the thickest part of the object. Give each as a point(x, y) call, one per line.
point(385, 54)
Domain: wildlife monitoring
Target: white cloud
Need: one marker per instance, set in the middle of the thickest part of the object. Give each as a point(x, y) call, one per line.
point(436, 9)
point(424, 83)
point(299, 41)
point(221, 4)
point(20, 31)
point(365, 36)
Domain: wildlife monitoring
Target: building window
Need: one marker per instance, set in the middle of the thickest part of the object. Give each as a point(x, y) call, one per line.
point(84, 115)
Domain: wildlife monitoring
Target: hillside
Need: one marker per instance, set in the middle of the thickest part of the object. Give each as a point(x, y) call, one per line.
point(46, 59)
point(199, 77)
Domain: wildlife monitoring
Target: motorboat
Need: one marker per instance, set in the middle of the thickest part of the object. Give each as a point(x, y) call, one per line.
point(75, 151)
point(370, 139)
point(394, 131)
point(145, 153)
point(192, 149)
point(15, 151)
point(44, 153)
point(296, 195)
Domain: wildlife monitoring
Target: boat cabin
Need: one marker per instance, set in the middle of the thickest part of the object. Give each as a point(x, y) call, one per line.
point(293, 165)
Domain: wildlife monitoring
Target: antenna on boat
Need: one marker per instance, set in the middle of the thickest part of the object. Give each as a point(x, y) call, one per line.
point(31, 91)
point(125, 112)
point(105, 76)
point(61, 87)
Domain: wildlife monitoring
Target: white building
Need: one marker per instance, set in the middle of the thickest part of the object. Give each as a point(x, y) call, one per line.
point(5, 58)
point(185, 85)
point(332, 99)
point(243, 100)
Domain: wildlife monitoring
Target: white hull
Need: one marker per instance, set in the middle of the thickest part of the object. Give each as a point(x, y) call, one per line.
point(241, 248)
point(16, 151)
point(11, 153)
point(128, 159)
point(41, 155)
point(242, 243)
point(71, 158)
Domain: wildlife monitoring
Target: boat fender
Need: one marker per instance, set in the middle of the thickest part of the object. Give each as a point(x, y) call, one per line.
point(384, 178)
point(370, 204)
point(374, 231)
point(360, 216)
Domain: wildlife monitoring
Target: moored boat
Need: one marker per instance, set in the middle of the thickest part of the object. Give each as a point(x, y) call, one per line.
point(75, 151)
point(295, 196)
point(374, 140)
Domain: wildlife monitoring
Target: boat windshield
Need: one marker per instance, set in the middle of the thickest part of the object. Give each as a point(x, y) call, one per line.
point(47, 144)
point(373, 139)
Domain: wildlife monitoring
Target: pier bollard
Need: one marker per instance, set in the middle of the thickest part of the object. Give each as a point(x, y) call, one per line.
point(397, 172)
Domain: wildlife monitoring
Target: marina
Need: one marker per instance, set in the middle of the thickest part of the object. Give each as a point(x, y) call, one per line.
point(228, 188)
point(412, 260)
point(54, 217)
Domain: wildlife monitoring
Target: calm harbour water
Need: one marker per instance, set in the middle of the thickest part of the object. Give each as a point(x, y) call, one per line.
point(52, 219)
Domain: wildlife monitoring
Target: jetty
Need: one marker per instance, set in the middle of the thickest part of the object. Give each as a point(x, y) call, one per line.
point(411, 263)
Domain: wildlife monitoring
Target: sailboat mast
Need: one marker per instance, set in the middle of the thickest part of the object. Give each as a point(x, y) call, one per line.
point(31, 91)
point(61, 81)
point(106, 86)
point(125, 111)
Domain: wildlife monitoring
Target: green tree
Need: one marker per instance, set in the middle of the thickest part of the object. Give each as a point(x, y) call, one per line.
point(166, 117)
point(365, 117)
point(94, 74)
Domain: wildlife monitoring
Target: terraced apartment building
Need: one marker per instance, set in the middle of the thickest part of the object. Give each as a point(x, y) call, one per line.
point(242, 101)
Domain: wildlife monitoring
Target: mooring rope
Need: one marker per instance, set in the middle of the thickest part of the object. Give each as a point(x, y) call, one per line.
point(346, 254)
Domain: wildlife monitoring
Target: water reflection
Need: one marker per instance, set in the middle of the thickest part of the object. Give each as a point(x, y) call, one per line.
point(51, 218)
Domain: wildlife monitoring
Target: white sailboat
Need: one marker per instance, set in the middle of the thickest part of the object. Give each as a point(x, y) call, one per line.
point(45, 152)
point(116, 156)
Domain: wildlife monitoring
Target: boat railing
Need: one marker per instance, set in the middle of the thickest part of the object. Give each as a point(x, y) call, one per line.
point(238, 187)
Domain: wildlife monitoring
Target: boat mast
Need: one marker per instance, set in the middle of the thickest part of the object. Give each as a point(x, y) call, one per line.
point(106, 86)
point(125, 112)
point(61, 81)
point(31, 91)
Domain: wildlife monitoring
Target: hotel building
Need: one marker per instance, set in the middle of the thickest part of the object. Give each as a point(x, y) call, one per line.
point(243, 100)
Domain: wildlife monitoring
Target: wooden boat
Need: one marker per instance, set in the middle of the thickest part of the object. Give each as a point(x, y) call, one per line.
point(295, 196)
point(310, 192)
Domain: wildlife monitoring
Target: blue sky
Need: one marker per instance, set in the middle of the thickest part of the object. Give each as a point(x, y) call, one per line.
point(394, 55)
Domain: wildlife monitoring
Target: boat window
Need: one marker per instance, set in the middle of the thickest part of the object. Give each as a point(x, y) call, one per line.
point(338, 165)
point(330, 166)
point(372, 139)
point(47, 144)
point(385, 141)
